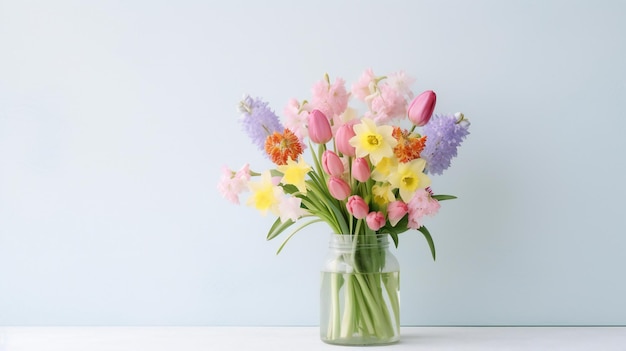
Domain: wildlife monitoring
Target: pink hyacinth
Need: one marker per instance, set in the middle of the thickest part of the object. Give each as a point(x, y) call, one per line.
point(422, 204)
point(331, 99)
point(363, 88)
point(232, 184)
point(375, 220)
point(387, 105)
point(297, 118)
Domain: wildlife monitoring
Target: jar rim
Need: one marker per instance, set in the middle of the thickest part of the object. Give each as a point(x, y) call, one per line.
point(344, 241)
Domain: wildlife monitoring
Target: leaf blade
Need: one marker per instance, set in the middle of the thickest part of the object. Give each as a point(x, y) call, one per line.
point(278, 227)
point(429, 239)
point(441, 197)
point(280, 248)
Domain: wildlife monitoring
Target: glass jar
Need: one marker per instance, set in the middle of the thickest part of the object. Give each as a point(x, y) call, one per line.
point(360, 291)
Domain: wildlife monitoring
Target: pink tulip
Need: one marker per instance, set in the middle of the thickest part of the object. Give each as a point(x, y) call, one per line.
point(357, 207)
point(361, 169)
point(396, 210)
point(332, 164)
point(375, 220)
point(421, 108)
point(338, 188)
point(342, 139)
point(319, 127)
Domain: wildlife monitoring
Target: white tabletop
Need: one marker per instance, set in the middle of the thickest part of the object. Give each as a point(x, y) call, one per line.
point(304, 338)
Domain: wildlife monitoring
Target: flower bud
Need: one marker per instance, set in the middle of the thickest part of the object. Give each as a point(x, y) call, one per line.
point(332, 164)
point(357, 207)
point(375, 220)
point(421, 108)
point(361, 169)
point(338, 188)
point(342, 139)
point(396, 210)
point(319, 127)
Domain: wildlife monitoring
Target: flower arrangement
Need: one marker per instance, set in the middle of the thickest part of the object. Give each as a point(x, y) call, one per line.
point(369, 171)
point(373, 176)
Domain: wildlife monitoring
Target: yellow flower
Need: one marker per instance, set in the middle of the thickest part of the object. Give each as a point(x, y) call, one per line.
point(409, 177)
point(382, 194)
point(383, 169)
point(294, 173)
point(375, 141)
point(265, 195)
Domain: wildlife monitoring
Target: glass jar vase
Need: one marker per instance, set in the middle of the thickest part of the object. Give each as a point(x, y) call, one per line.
point(360, 291)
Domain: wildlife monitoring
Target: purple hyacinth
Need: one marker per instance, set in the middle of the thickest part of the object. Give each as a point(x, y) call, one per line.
point(258, 120)
point(444, 135)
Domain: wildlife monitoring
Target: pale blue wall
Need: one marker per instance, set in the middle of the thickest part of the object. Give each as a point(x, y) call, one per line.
point(116, 116)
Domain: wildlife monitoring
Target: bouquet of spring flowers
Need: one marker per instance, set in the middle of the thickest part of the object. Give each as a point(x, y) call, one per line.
point(368, 174)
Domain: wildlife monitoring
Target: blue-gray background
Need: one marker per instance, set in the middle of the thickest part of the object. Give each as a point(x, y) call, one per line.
point(116, 117)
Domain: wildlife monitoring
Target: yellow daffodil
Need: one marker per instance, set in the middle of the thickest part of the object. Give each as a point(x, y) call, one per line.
point(382, 194)
point(383, 168)
point(265, 195)
point(375, 141)
point(409, 177)
point(295, 173)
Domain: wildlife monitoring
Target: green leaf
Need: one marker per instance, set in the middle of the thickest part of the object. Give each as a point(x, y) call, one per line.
point(338, 215)
point(294, 233)
point(396, 230)
point(278, 227)
point(289, 188)
point(326, 204)
point(399, 228)
point(275, 173)
point(318, 166)
point(429, 239)
point(394, 237)
point(443, 197)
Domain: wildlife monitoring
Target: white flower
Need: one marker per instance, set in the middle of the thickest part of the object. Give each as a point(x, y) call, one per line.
point(401, 83)
point(289, 208)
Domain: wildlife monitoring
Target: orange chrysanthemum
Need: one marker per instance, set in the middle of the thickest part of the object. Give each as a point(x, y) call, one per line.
point(282, 147)
point(409, 146)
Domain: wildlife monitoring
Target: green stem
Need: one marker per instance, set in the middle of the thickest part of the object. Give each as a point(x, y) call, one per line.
point(347, 322)
point(392, 285)
point(335, 315)
point(370, 301)
point(362, 311)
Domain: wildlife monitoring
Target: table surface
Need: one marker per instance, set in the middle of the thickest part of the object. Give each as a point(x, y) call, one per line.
point(305, 338)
